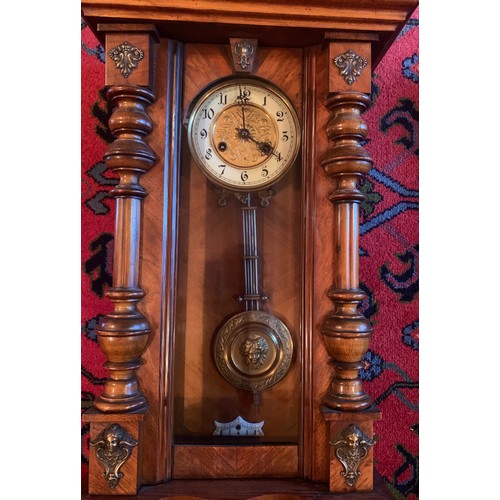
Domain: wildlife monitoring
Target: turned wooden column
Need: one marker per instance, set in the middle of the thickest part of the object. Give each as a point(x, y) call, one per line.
point(123, 334)
point(346, 332)
point(116, 418)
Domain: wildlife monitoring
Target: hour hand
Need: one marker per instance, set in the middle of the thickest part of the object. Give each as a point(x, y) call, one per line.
point(264, 147)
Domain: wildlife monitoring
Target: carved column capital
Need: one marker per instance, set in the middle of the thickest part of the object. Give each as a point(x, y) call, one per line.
point(347, 157)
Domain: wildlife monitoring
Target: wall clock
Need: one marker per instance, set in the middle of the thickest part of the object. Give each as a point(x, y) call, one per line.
point(186, 231)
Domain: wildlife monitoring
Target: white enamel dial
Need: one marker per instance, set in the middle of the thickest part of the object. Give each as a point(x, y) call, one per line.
point(244, 134)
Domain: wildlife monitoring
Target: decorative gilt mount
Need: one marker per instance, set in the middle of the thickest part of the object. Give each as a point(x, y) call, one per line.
point(351, 447)
point(243, 53)
point(113, 448)
point(126, 58)
point(253, 350)
point(350, 65)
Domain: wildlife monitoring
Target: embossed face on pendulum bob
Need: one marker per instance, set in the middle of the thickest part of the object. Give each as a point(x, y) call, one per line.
point(244, 134)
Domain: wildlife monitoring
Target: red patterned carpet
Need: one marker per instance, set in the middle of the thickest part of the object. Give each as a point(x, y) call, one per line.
point(388, 250)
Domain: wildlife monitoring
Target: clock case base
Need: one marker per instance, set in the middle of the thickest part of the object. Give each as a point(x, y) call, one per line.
point(248, 489)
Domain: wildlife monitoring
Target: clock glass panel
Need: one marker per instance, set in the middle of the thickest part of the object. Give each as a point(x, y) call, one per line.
point(238, 381)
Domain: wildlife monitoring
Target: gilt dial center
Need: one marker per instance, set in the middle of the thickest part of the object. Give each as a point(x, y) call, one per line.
point(248, 135)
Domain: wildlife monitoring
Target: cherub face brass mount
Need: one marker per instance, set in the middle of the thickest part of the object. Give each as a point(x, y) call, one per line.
point(113, 448)
point(351, 447)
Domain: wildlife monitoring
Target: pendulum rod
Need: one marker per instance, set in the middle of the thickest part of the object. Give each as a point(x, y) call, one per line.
point(252, 297)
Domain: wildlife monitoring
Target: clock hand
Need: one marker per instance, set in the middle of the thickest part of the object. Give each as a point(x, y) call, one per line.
point(264, 147)
point(242, 100)
point(243, 116)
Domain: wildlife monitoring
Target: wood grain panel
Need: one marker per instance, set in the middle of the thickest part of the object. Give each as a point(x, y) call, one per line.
point(235, 461)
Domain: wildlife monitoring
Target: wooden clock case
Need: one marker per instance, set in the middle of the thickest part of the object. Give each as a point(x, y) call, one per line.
point(177, 263)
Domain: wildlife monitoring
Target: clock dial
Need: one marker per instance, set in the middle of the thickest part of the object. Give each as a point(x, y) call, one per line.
point(244, 134)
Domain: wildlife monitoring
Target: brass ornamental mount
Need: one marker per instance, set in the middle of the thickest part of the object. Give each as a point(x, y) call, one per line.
point(243, 52)
point(113, 446)
point(351, 447)
point(350, 65)
point(265, 196)
point(126, 58)
point(253, 350)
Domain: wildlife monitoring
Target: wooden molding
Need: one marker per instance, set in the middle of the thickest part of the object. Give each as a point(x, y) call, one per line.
point(365, 15)
point(276, 23)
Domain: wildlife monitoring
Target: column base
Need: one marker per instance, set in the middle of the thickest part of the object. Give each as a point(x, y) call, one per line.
point(351, 453)
point(115, 452)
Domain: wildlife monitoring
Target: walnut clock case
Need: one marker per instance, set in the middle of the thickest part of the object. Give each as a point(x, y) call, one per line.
point(235, 343)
